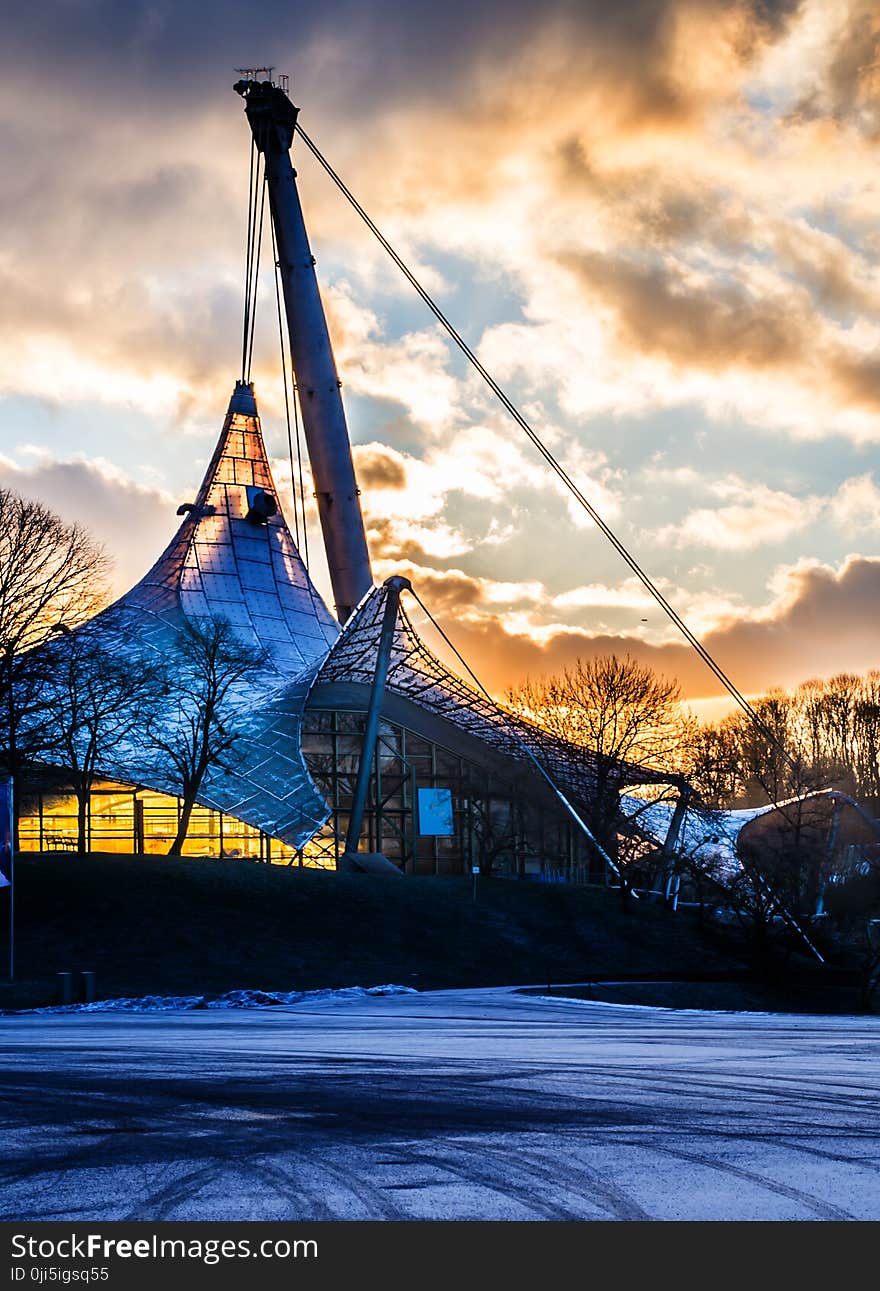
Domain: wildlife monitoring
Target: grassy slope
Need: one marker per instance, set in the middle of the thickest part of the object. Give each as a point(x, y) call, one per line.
point(154, 925)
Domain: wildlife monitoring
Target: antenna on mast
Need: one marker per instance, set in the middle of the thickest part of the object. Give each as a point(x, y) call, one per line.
point(255, 73)
point(263, 74)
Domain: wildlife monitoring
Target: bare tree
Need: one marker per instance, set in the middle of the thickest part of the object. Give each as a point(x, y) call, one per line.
point(50, 572)
point(496, 831)
point(714, 763)
point(201, 719)
point(93, 698)
point(830, 730)
point(616, 710)
point(771, 767)
point(866, 734)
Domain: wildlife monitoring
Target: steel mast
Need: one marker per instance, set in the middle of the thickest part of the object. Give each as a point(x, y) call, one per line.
point(272, 118)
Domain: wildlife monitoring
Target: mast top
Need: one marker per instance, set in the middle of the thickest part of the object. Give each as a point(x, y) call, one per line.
point(271, 114)
point(263, 74)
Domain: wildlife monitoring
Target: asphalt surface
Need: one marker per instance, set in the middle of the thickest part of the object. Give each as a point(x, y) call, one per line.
point(461, 1105)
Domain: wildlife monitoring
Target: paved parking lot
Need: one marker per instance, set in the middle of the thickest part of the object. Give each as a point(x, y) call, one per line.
point(445, 1105)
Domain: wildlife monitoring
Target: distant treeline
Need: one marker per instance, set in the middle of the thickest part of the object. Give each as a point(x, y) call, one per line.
point(830, 729)
point(823, 735)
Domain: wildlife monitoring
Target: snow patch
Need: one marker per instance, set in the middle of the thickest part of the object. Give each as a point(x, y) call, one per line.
point(659, 1008)
point(231, 1000)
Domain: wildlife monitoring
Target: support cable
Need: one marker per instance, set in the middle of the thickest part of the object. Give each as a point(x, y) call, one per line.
point(299, 462)
point(297, 480)
point(551, 460)
point(262, 185)
point(560, 471)
point(258, 182)
point(247, 260)
point(576, 817)
point(284, 383)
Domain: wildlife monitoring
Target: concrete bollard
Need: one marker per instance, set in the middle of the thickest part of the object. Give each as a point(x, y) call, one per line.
point(87, 986)
point(65, 988)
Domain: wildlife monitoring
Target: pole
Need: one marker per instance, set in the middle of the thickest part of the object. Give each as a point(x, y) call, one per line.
point(7, 849)
point(11, 879)
point(670, 845)
point(393, 588)
point(272, 119)
point(7, 826)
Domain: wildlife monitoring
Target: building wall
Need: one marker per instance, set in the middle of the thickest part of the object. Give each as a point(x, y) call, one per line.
point(505, 820)
point(501, 824)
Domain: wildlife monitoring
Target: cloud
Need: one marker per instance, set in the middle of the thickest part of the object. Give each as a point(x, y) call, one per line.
point(838, 278)
point(849, 89)
point(857, 379)
point(754, 516)
point(654, 209)
point(134, 186)
point(379, 467)
point(411, 370)
point(658, 310)
point(473, 489)
point(763, 326)
point(132, 521)
point(131, 183)
point(856, 505)
point(822, 621)
point(629, 594)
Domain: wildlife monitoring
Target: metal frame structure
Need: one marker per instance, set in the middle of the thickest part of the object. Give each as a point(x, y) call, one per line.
point(505, 821)
point(224, 563)
point(414, 672)
point(233, 557)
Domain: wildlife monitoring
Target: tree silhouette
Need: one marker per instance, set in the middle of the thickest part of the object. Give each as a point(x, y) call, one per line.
point(201, 718)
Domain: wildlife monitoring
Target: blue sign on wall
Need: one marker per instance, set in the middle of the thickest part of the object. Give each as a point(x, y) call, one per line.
point(435, 812)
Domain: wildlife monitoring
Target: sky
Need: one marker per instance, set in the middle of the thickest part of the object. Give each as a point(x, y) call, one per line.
point(657, 222)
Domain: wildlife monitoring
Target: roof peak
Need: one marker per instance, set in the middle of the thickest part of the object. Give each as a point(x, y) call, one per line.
point(243, 399)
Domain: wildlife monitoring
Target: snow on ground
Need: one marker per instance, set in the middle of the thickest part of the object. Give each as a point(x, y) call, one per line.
point(439, 1105)
point(231, 1000)
point(659, 1008)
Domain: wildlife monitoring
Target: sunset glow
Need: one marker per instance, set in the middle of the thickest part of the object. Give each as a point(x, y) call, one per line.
point(657, 223)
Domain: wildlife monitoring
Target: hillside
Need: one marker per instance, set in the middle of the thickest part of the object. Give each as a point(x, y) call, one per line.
point(153, 925)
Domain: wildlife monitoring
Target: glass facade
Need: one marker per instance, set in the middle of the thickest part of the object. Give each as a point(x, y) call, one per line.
point(504, 827)
point(220, 563)
point(125, 819)
point(289, 768)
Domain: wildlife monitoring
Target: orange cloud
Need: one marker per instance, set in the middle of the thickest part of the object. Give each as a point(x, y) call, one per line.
point(823, 621)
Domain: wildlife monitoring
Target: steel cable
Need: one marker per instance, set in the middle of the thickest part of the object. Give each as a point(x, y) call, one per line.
point(551, 460)
point(560, 471)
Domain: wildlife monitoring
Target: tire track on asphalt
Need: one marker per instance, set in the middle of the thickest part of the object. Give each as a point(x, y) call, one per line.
point(376, 1206)
point(688, 1089)
point(823, 1153)
point(185, 1187)
point(825, 1209)
point(615, 1201)
point(487, 1179)
point(500, 1180)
